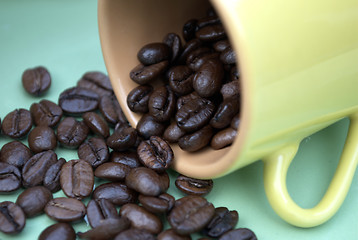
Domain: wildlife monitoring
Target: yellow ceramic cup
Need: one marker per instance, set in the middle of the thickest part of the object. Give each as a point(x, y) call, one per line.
point(299, 68)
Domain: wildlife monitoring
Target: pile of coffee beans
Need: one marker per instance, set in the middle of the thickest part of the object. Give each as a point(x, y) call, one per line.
point(196, 101)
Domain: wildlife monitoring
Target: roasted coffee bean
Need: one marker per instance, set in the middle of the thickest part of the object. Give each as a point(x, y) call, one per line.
point(35, 168)
point(112, 171)
point(221, 45)
point(228, 56)
point(71, 133)
point(156, 154)
point(170, 234)
point(94, 151)
point(197, 140)
point(97, 82)
point(147, 126)
point(235, 121)
point(208, 20)
point(186, 98)
point(46, 113)
point(181, 79)
point(12, 218)
point(137, 99)
point(143, 74)
point(33, 200)
point(117, 193)
point(223, 138)
point(65, 209)
point(190, 214)
point(77, 179)
point(15, 153)
point(17, 123)
point(147, 182)
point(58, 231)
point(111, 110)
point(122, 140)
point(231, 90)
point(126, 157)
point(174, 42)
point(96, 123)
point(153, 53)
point(239, 234)
point(190, 46)
point(161, 104)
point(52, 176)
point(135, 234)
point(141, 218)
point(196, 63)
point(36, 80)
point(108, 229)
point(10, 178)
point(161, 204)
point(42, 138)
point(193, 186)
point(78, 100)
point(99, 210)
point(172, 133)
point(189, 29)
point(211, 33)
point(222, 221)
point(225, 112)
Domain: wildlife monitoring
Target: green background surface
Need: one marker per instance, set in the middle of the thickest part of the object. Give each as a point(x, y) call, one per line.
point(63, 36)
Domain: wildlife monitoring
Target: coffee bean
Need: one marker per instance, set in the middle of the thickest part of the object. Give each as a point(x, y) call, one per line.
point(170, 234)
point(52, 176)
point(197, 140)
point(147, 126)
point(111, 110)
point(211, 33)
point(174, 42)
point(208, 20)
point(10, 178)
point(122, 140)
point(96, 123)
point(222, 221)
point(230, 90)
point(135, 234)
point(181, 79)
point(195, 55)
point(141, 218)
point(161, 204)
point(137, 99)
point(15, 153)
point(223, 138)
point(94, 151)
point(153, 53)
point(156, 154)
point(33, 200)
point(17, 123)
point(186, 98)
point(65, 209)
point(190, 214)
point(196, 63)
point(126, 157)
point(99, 210)
point(108, 229)
point(161, 104)
point(172, 133)
point(228, 56)
point(117, 193)
point(143, 74)
point(42, 138)
point(189, 29)
point(12, 218)
point(193, 186)
point(46, 113)
point(97, 82)
point(71, 133)
point(112, 171)
point(235, 122)
point(239, 234)
point(221, 45)
point(77, 179)
point(189, 46)
point(58, 231)
point(36, 80)
point(225, 113)
point(78, 100)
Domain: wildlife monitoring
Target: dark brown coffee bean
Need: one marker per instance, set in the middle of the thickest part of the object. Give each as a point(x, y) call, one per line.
point(190, 214)
point(147, 182)
point(46, 113)
point(190, 46)
point(197, 140)
point(239, 234)
point(58, 231)
point(52, 176)
point(111, 110)
point(17, 123)
point(170, 234)
point(77, 179)
point(137, 99)
point(141, 218)
point(122, 140)
point(94, 151)
point(189, 29)
point(117, 193)
point(161, 104)
point(35, 168)
point(222, 221)
point(96, 123)
point(211, 33)
point(147, 126)
point(235, 122)
point(78, 100)
point(65, 209)
point(223, 138)
point(195, 55)
point(135, 234)
point(208, 20)
point(126, 157)
point(42, 138)
point(36, 80)
point(99, 210)
point(225, 112)
point(172, 133)
point(71, 133)
point(228, 56)
point(186, 98)
point(97, 82)
point(193, 186)
point(112, 171)
point(15, 153)
point(181, 79)
point(33, 200)
point(174, 42)
point(142, 74)
point(12, 218)
point(108, 229)
point(10, 178)
point(161, 204)
point(230, 90)
point(153, 53)
point(199, 61)
point(221, 45)
point(156, 154)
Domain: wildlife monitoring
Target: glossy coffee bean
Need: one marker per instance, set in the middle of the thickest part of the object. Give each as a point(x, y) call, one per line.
point(155, 154)
point(97, 82)
point(12, 218)
point(189, 29)
point(190, 214)
point(33, 200)
point(65, 209)
point(123, 139)
point(78, 100)
point(172, 133)
point(235, 122)
point(211, 33)
point(94, 151)
point(96, 123)
point(111, 110)
point(173, 40)
point(147, 126)
point(225, 113)
point(36, 80)
point(137, 99)
point(189, 46)
point(170, 234)
point(135, 234)
point(143, 74)
point(230, 90)
point(196, 63)
point(112, 171)
point(197, 54)
point(221, 45)
point(197, 140)
point(239, 234)
point(17, 123)
point(77, 179)
point(160, 204)
point(153, 53)
point(52, 176)
point(71, 133)
point(208, 20)
point(181, 79)
point(108, 229)
point(228, 56)
point(126, 157)
point(193, 186)
point(10, 178)
point(161, 104)
point(58, 231)
point(99, 210)
point(15, 153)
point(117, 193)
point(46, 113)
point(181, 101)
point(141, 218)
point(223, 138)
point(42, 138)
point(222, 221)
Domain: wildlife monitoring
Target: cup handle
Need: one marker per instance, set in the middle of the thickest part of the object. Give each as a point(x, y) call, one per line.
point(275, 172)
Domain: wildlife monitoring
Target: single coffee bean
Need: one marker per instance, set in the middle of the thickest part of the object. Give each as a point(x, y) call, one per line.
point(195, 55)
point(228, 56)
point(170, 234)
point(181, 79)
point(97, 82)
point(108, 229)
point(208, 20)
point(172, 133)
point(223, 138)
point(239, 234)
point(122, 140)
point(126, 157)
point(135, 234)
point(65, 209)
point(42, 138)
point(221, 45)
point(78, 100)
point(36, 80)
point(153, 53)
point(161, 204)
point(117, 193)
point(96, 123)
point(147, 126)
point(77, 179)
point(225, 113)
point(46, 113)
point(137, 99)
point(141, 218)
point(99, 210)
point(161, 104)
point(222, 221)
point(230, 90)
point(17, 123)
point(197, 140)
point(94, 151)
point(33, 200)
point(143, 74)
point(174, 42)
point(193, 186)
point(58, 231)
point(189, 29)
point(235, 122)
point(156, 154)
point(15, 153)
point(111, 110)
point(71, 133)
point(190, 214)
point(211, 33)
point(112, 171)
point(10, 178)
point(200, 60)
point(189, 46)
point(12, 218)
point(52, 176)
